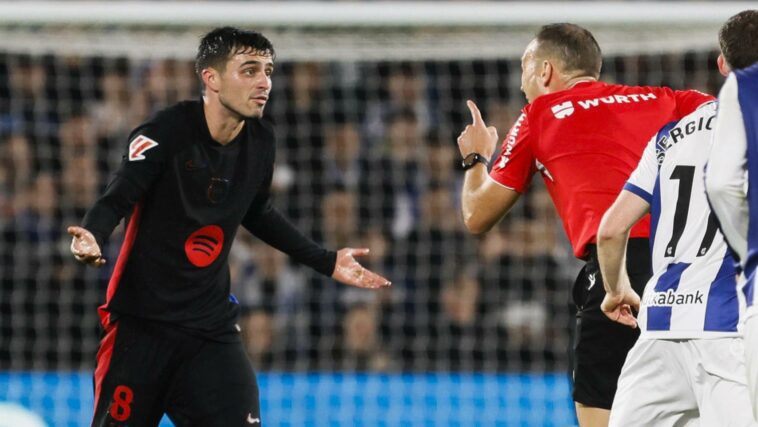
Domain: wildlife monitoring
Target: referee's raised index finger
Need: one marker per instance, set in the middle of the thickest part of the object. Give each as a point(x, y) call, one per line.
point(476, 115)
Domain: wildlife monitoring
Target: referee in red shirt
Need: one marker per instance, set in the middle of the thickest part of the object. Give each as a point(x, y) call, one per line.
point(584, 137)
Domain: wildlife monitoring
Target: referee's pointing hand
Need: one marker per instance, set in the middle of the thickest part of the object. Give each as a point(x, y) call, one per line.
point(477, 137)
point(351, 272)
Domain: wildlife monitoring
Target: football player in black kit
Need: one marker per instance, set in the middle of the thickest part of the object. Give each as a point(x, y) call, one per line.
point(192, 174)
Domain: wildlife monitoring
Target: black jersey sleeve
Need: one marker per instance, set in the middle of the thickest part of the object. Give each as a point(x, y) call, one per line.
point(143, 162)
point(269, 225)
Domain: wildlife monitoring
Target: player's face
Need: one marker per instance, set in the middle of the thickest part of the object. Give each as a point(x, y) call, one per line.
point(245, 83)
point(530, 72)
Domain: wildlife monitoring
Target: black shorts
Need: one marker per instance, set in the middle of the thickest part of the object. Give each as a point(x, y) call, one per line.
point(600, 345)
point(145, 369)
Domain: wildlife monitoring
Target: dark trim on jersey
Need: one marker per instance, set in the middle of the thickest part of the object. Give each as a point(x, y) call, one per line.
point(123, 257)
point(737, 261)
point(104, 355)
point(722, 310)
point(644, 195)
point(660, 141)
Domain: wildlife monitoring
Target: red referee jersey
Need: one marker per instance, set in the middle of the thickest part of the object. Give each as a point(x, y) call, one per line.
point(585, 142)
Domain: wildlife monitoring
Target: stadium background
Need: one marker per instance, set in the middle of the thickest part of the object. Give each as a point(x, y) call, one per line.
point(368, 99)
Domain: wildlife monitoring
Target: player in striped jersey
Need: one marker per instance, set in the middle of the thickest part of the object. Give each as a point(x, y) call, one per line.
point(689, 311)
point(733, 165)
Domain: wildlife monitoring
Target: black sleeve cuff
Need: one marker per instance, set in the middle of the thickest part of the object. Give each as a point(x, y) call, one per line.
point(274, 229)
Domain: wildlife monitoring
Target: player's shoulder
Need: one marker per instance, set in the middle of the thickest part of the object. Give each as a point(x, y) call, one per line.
point(750, 72)
point(705, 111)
point(695, 126)
point(180, 114)
point(169, 125)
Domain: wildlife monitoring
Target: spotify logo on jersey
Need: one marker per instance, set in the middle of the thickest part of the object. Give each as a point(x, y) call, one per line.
point(204, 245)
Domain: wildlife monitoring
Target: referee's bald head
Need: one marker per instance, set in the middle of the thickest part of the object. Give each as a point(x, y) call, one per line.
point(574, 46)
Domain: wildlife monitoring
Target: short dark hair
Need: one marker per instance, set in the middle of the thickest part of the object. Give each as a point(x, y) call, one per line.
point(573, 45)
point(738, 39)
point(218, 45)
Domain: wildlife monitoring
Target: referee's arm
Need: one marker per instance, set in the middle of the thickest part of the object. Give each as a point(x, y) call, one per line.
point(483, 201)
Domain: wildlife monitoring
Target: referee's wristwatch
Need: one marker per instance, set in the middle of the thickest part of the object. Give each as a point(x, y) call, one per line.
point(472, 159)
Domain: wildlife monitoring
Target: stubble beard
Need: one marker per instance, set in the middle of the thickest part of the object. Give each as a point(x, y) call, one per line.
point(256, 114)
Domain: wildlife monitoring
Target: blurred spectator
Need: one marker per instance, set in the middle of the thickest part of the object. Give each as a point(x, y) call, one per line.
point(16, 165)
point(502, 114)
point(271, 293)
point(81, 174)
point(32, 105)
point(111, 112)
point(459, 345)
point(167, 81)
point(301, 108)
point(362, 349)
point(259, 332)
point(523, 279)
point(341, 164)
point(430, 257)
point(394, 178)
point(405, 87)
point(442, 161)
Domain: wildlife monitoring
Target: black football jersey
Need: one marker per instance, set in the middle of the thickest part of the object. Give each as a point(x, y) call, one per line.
point(184, 196)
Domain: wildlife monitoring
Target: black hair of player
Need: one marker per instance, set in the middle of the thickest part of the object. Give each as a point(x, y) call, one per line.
point(573, 45)
point(738, 39)
point(222, 43)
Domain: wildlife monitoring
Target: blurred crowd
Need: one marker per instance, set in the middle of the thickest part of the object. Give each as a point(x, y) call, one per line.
point(366, 157)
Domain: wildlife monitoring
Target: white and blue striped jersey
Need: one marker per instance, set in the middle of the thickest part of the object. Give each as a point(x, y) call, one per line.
point(692, 293)
point(733, 172)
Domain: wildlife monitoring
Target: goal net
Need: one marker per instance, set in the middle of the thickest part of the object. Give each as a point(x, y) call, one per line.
point(368, 99)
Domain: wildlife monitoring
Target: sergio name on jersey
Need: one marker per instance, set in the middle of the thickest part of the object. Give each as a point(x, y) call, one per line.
point(692, 293)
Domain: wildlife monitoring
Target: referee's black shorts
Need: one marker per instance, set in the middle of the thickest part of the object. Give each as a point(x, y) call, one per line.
point(600, 345)
point(145, 369)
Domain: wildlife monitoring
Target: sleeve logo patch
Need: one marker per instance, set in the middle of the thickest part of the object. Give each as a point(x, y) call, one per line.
point(561, 111)
point(139, 146)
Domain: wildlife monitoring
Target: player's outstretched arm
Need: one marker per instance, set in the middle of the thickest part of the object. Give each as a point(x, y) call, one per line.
point(350, 272)
point(612, 237)
point(85, 247)
point(483, 201)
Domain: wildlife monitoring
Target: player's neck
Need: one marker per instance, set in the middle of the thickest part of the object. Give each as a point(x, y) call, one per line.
point(222, 126)
point(581, 79)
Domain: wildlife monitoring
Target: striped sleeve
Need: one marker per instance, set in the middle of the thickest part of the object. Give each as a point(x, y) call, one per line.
point(642, 180)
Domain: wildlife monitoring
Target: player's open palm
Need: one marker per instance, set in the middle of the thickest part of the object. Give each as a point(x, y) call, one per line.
point(351, 272)
point(477, 137)
point(85, 247)
point(618, 307)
